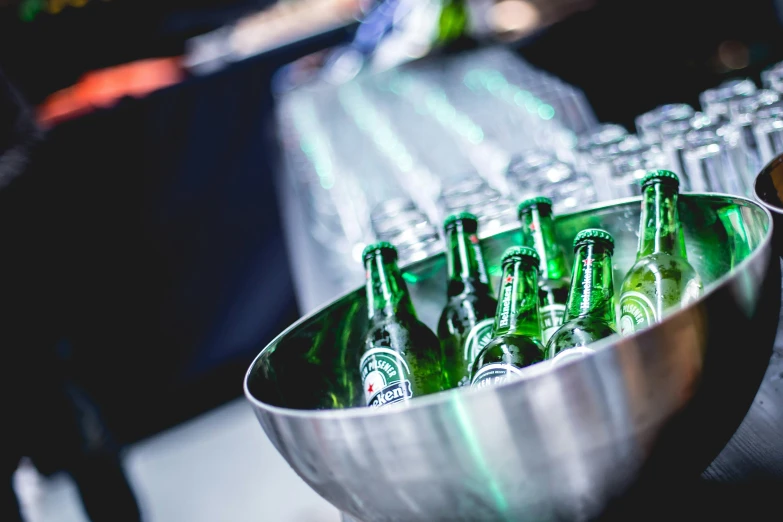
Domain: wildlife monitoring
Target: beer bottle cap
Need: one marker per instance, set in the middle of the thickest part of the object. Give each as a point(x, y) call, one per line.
point(665, 176)
point(462, 216)
point(534, 202)
point(520, 253)
point(381, 247)
point(594, 234)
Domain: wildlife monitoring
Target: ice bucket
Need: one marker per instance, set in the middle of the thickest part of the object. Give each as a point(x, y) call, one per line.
point(564, 443)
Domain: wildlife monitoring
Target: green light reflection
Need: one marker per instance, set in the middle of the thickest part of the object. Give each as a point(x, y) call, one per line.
point(497, 85)
point(371, 122)
point(312, 143)
point(546, 111)
point(410, 278)
point(466, 424)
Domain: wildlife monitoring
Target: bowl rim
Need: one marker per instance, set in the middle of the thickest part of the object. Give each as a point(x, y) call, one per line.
point(532, 372)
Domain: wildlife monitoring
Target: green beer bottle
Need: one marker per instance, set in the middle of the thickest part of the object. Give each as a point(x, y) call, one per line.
point(590, 313)
point(538, 231)
point(517, 328)
point(453, 20)
point(401, 357)
point(661, 278)
point(470, 302)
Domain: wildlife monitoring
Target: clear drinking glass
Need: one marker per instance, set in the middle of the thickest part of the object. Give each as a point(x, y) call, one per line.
point(772, 77)
point(742, 112)
point(648, 125)
point(768, 131)
point(629, 160)
point(714, 102)
point(710, 163)
point(592, 156)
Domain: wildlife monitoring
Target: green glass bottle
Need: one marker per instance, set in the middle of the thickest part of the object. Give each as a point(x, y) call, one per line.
point(401, 357)
point(661, 277)
point(470, 302)
point(590, 312)
point(538, 231)
point(453, 20)
point(517, 328)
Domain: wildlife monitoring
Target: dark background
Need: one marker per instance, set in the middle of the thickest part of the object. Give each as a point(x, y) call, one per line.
point(52, 51)
point(175, 269)
point(631, 55)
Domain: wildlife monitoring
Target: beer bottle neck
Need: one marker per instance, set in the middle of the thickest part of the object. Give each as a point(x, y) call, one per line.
point(452, 21)
point(467, 271)
point(592, 288)
point(517, 310)
point(538, 231)
point(387, 293)
point(660, 227)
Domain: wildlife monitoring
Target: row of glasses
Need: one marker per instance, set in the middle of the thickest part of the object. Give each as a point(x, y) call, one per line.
point(397, 215)
point(712, 157)
point(388, 155)
point(517, 106)
point(768, 131)
point(558, 102)
point(592, 156)
point(540, 173)
point(629, 160)
point(330, 210)
point(648, 125)
point(468, 163)
point(474, 195)
point(768, 124)
point(721, 148)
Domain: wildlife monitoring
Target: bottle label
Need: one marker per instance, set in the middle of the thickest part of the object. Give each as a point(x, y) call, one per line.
point(636, 312)
point(506, 293)
point(477, 338)
point(482, 269)
point(494, 374)
point(551, 319)
point(571, 354)
point(386, 377)
point(538, 241)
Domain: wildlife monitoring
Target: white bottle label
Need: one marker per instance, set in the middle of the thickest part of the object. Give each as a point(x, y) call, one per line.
point(551, 319)
point(477, 338)
point(494, 374)
point(636, 312)
point(386, 377)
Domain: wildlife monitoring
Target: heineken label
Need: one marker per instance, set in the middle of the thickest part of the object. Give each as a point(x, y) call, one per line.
point(587, 283)
point(551, 319)
point(538, 240)
point(482, 269)
point(571, 354)
point(386, 377)
point(506, 293)
point(494, 374)
point(636, 312)
point(477, 338)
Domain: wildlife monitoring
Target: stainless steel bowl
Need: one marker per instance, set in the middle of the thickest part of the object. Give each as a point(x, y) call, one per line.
point(566, 443)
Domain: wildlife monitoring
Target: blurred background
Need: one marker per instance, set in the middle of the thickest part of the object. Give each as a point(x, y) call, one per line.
point(205, 172)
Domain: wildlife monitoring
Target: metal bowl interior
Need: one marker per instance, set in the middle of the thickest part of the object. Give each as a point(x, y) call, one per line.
point(562, 442)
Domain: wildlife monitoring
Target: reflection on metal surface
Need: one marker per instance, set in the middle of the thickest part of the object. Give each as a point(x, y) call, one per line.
point(560, 443)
